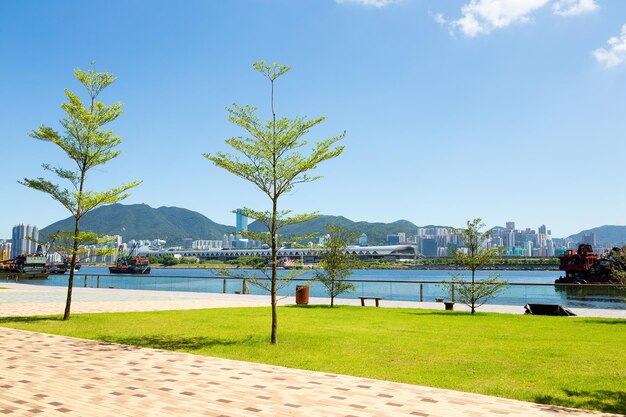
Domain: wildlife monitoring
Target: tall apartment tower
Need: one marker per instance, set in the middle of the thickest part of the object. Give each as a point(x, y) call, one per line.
point(24, 238)
point(242, 221)
point(510, 225)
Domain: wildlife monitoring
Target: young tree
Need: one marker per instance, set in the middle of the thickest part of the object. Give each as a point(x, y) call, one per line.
point(618, 259)
point(336, 263)
point(475, 293)
point(88, 145)
point(274, 158)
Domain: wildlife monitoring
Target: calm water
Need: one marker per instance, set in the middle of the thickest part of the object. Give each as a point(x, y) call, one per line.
point(207, 281)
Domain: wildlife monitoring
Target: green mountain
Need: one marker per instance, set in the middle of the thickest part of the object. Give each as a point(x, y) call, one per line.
point(608, 234)
point(376, 232)
point(140, 221)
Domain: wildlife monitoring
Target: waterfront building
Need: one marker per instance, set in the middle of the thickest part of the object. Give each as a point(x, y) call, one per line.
point(207, 244)
point(5, 250)
point(307, 255)
point(363, 240)
point(510, 225)
point(24, 238)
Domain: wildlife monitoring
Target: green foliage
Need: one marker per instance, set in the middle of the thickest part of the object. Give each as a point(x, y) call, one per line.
point(619, 271)
point(250, 261)
point(529, 358)
point(87, 144)
point(475, 293)
point(62, 242)
point(164, 259)
point(336, 263)
point(275, 157)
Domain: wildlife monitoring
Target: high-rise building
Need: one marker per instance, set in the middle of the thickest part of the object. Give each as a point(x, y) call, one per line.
point(542, 229)
point(363, 240)
point(24, 238)
point(589, 238)
point(241, 221)
point(511, 240)
point(5, 250)
point(393, 239)
point(429, 247)
point(510, 225)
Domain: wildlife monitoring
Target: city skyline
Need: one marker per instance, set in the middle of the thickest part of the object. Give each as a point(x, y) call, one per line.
point(452, 111)
point(241, 224)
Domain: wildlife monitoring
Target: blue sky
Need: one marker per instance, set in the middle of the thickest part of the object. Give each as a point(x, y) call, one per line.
point(499, 109)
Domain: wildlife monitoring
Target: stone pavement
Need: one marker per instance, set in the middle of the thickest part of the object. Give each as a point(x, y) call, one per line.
point(56, 375)
point(30, 300)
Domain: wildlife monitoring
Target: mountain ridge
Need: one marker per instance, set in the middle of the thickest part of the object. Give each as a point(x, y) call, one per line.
point(173, 224)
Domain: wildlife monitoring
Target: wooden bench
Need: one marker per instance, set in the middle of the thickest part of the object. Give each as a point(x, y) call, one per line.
point(376, 299)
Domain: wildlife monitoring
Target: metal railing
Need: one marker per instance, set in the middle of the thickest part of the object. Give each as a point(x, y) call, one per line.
point(572, 295)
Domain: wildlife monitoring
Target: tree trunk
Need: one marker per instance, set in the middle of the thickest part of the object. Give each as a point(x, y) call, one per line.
point(70, 281)
point(473, 292)
point(332, 293)
point(273, 338)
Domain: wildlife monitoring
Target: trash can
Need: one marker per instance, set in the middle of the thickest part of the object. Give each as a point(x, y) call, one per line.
point(302, 294)
point(449, 305)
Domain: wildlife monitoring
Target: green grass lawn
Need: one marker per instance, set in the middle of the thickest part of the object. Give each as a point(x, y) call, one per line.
point(574, 362)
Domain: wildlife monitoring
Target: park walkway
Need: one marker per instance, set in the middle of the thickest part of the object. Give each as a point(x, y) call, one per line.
point(55, 375)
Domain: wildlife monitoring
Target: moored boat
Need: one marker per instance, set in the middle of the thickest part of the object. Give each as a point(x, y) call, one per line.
point(130, 264)
point(25, 267)
point(584, 266)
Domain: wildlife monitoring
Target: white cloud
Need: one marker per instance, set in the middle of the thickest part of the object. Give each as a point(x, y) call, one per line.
point(440, 19)
point(616, 54)
point(480, 17)
point(574, 7)
point(373, 3)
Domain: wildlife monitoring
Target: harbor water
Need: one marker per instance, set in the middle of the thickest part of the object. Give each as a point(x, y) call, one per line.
point(406, 285)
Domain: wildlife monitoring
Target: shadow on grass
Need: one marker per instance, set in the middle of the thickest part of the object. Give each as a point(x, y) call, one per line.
point(166, 342)
point(316, 306)
point(29, 319)
point(441, 313)
point(605, 321)
point(602, 400)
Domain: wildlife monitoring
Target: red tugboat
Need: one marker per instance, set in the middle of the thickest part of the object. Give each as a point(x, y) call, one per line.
point(584, 266)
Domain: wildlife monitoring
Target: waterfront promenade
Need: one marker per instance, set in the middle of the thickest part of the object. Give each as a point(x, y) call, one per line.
point(57, 375)
point(30, 300)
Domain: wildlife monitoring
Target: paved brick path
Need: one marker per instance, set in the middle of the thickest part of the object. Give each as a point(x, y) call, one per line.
point(55, 375)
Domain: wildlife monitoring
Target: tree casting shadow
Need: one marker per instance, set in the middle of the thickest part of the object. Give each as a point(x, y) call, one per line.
point(603, 400)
